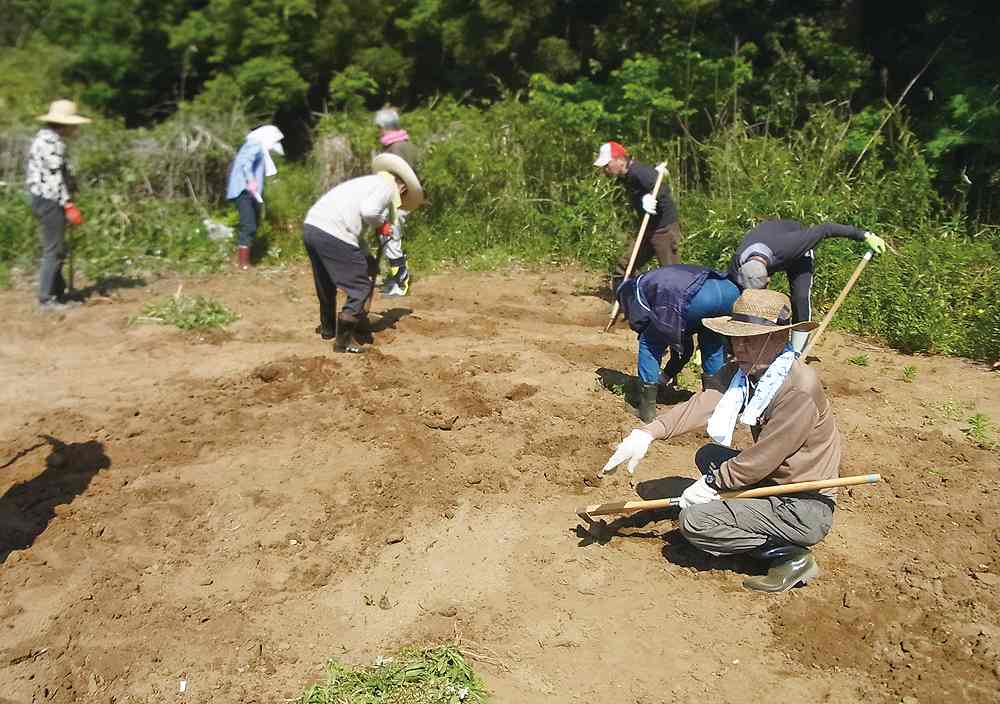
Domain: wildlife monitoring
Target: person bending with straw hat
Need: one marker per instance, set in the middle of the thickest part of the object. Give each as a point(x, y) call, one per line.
point(787, 245)
point(50, 184)
point(795, 439)
point(334, 239)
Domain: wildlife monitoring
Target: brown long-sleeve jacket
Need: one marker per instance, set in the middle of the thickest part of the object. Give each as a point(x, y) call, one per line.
point(796, 440)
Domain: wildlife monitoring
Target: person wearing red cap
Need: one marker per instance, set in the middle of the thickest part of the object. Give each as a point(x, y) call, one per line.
point(663, 232)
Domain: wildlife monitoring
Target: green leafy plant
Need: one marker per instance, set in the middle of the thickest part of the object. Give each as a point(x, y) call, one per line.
point(980, 429)
point(909, 374)
point(187, 313)
point(431, 676)
point(860, 360)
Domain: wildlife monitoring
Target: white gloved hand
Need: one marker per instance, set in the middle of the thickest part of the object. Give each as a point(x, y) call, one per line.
point(633, 448)
point(698, 493)
point(649, 203)
point(875, 243)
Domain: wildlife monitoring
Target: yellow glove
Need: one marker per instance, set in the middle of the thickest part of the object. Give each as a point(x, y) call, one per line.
point(876, 243)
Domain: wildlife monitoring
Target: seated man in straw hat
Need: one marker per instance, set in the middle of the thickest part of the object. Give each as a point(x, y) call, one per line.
point(338, 251)
point(50, 185)
point(795, 440)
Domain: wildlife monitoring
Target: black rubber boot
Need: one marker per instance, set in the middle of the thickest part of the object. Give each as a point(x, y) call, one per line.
point(647, 401)
point(792, 565)
point(327, 328)
point(345, 336)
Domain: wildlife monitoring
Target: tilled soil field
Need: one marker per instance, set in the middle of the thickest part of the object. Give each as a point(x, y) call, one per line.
point(233, 508)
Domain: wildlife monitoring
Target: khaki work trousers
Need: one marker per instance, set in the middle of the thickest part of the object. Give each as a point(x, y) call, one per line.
point(663, 243)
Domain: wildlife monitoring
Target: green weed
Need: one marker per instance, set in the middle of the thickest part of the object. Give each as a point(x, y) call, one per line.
point(860, 360)
point(432, 676)
point(617, 389)
point(188, 313)
point(980, 429)
point(909, 374)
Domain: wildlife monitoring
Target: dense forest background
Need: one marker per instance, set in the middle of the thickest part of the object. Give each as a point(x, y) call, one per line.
point(884, 115)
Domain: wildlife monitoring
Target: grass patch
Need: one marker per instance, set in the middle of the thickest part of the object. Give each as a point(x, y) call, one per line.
point(909, 374)
point(980, 430)
point(860, 360)
point(187, 313)
point(431, 676)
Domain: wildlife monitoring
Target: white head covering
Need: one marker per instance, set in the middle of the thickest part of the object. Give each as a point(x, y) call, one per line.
point(387, 119)
point(269, 137)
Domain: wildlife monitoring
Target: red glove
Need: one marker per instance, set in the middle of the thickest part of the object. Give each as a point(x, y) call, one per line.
point(73, 214)
point(385, 230)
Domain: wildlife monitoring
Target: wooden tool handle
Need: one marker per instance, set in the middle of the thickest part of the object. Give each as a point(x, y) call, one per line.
point(836, 304)
point(626, 507)
point(661, 169)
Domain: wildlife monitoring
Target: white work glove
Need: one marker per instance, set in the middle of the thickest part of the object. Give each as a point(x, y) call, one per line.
point(649, 203)
point(698, 493)
point(875, 243)
point(633, 448)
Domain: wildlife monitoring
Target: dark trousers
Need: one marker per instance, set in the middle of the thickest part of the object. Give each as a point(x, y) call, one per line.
point(249, 211)
point(800, 278)
point(741, 525)
point(662, 242)
point(337, 264)
point(52, 235)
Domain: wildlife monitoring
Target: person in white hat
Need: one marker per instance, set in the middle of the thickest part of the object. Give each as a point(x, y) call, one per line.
point(334, 238)
point(795, 440)
point(253, 163)
point(395, 140)
point(50, 184)
point(787, 245)
point(663, 232)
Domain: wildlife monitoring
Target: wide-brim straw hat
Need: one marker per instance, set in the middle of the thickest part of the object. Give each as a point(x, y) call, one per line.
point(63, 112)
point(758, 312)
point(397, 166)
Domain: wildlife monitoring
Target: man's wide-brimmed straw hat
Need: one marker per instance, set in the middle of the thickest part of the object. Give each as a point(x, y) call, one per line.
point(63, 112)
point(758, 312)
point(397, 166)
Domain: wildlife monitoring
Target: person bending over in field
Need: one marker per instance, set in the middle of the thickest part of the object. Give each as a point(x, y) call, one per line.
point(334, 238)
point(786, 245)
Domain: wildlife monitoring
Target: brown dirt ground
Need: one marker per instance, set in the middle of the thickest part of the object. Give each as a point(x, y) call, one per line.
point(235, 508)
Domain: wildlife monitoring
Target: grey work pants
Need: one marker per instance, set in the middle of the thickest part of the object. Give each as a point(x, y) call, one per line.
point(741, 525)
point(52, 235)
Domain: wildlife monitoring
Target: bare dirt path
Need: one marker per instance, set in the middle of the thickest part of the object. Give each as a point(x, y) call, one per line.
point(234, 508)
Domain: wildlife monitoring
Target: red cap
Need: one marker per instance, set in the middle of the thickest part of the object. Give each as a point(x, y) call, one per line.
point(609, 151)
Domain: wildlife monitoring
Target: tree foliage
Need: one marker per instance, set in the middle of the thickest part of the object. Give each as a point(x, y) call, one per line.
point(639, 67)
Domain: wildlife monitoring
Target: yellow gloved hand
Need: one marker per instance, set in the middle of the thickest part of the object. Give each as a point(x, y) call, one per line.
point(876, 243)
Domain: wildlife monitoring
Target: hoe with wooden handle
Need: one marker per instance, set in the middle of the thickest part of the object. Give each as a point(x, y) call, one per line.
point(628, 507)
point(661, 169)
point(837, 303)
